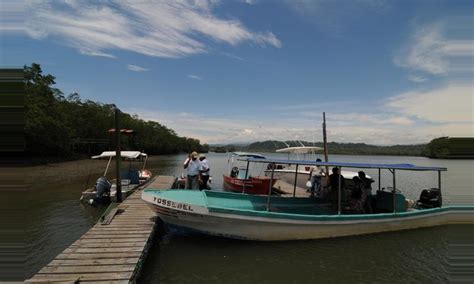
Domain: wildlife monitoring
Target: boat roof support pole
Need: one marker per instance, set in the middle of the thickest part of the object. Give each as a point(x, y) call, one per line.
point(270, 187)
point(246, 176)
point(439, 185)
point(339, 199)
point(144, 163)
point(107, 168)
point(296, 178)
point(118, 192)
point(325, 141)
point(394, 192)
point(380, 177)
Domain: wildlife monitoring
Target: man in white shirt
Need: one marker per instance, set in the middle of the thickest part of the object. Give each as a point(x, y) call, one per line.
point(315, 175)
point(192, 165)
point(204, 170)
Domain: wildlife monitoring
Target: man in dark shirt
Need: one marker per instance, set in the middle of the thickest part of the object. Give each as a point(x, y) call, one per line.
point(334, 185)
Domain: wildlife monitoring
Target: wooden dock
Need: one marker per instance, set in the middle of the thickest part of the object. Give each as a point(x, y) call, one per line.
point(114, 249)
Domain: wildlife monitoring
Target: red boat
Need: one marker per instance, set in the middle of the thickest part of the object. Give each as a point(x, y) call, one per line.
point(240, 181)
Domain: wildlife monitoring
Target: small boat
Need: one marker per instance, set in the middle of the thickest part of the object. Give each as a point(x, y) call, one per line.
point(272, 218)
point(239, 179)
point(105, 191)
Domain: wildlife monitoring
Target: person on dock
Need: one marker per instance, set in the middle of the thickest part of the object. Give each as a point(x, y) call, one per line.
point(315, 175)
point(204, 171)
point(192, 166)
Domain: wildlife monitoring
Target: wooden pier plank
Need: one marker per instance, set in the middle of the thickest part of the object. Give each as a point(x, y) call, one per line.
point(109, 252)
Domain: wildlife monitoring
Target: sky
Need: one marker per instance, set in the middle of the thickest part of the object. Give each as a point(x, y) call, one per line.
point(385, 72)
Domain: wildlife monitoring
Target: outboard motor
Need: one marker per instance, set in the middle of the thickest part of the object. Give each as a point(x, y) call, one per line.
point(430, 198)
point(102, 187)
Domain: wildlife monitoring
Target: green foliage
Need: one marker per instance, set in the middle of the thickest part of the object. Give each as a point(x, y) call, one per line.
point(451, 148)
point(56, 125)
point(334, 148)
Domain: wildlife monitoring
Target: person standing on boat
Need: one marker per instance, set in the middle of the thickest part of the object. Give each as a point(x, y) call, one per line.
point(315, 175)
point(192, 165)
point(204, 170)
point(358, 197)
point(334, 185)
point(367, 185)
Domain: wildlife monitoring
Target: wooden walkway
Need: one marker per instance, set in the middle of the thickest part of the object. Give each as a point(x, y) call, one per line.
point(110, 253)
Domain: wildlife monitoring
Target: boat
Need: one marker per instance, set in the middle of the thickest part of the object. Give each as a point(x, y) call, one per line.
point(287, 173)
point(239, 178)
point(105, 190)
point(275, 218)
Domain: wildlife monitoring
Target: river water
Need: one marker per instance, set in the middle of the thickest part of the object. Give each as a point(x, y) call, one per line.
point(48, 217)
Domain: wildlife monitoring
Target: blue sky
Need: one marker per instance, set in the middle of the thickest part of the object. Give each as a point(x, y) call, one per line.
point(385, 72)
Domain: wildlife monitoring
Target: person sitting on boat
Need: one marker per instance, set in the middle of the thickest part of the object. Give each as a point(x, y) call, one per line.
point(358, 197)
point(204, 170)
point(192, 165)
point(367, 185)
point(334, 185)
point(315, 175)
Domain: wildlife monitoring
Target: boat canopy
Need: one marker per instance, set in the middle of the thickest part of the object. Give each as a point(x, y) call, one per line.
point(248, 155)
point(348, 165)
point(300, 150)
point(123, 154)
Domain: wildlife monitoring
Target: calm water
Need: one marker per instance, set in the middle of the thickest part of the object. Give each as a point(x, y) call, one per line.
point(47, 217)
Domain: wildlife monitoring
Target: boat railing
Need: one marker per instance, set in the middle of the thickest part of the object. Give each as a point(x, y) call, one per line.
point(392, 168)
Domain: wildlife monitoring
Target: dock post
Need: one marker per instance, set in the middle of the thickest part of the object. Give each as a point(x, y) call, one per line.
point(118, 157)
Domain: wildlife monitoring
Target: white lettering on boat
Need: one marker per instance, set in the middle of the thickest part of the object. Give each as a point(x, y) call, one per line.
point(172, 204)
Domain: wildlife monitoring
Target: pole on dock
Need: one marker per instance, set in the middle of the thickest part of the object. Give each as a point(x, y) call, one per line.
point(118, 156)
point(325, 141)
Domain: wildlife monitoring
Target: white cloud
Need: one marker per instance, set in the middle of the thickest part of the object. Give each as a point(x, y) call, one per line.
point(448, 104)
point(155, 28)
point(136, 68)
point(195, 77)
point(417, 79)
point(430, 50)
point(232, 56)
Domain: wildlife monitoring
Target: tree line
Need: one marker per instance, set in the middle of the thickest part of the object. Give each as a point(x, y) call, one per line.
point(437, 148)
point(59, 125)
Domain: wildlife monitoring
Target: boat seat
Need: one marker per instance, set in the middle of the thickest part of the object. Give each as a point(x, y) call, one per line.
point(384, 201)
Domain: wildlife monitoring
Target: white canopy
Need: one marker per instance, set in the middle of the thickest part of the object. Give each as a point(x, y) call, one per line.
point(123, 154)
point(300, 150)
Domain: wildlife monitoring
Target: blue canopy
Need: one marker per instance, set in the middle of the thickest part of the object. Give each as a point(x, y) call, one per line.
point(347, 165)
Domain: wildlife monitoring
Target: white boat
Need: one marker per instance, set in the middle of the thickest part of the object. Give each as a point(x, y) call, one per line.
point(271, 218)
point(131, 178)
point(287, 173)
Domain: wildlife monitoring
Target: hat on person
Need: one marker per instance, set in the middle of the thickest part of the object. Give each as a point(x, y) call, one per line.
point(202, 156)
point(194, 154)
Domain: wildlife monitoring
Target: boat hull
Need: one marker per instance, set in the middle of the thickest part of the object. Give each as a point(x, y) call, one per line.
point(278, 227)
point(253, 185)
